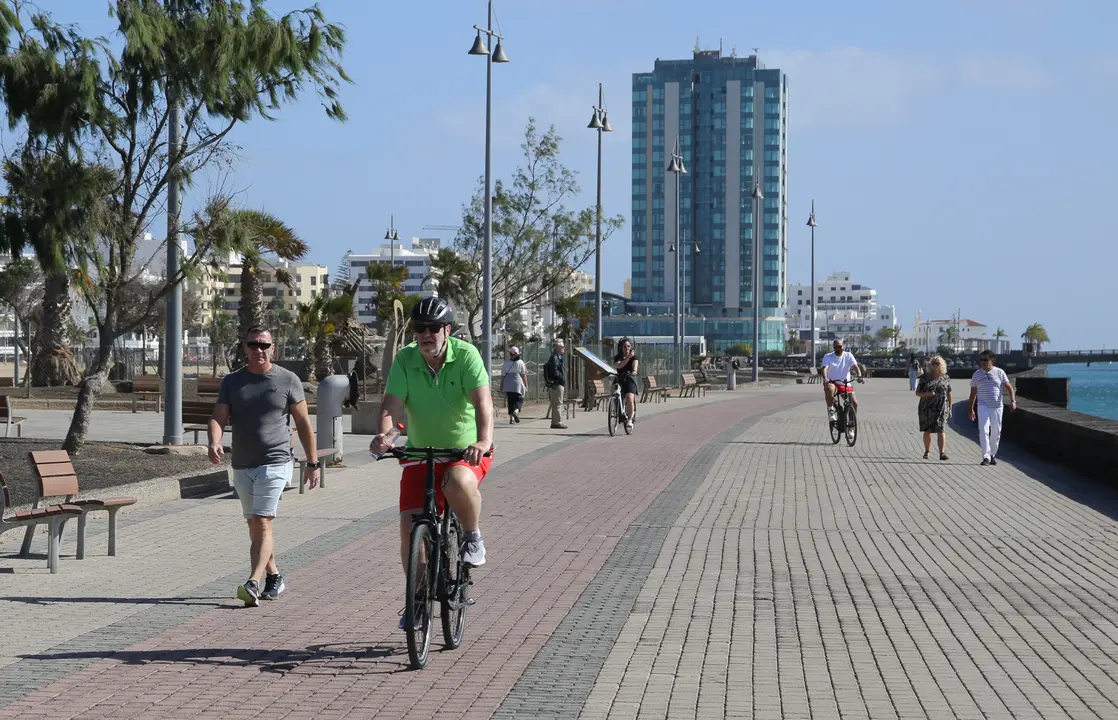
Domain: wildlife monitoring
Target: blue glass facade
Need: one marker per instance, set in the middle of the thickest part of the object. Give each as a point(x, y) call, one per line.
point(730, 117)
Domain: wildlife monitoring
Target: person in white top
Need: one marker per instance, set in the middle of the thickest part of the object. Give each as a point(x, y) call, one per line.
point(837, 367)
point(986, 387)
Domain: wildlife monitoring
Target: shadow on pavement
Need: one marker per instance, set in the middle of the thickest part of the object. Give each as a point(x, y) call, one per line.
point(32, 600)
point(781, 442)
point(329, 659)
point(1067, 482)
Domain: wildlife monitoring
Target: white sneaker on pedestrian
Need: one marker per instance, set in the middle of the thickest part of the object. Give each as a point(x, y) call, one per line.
point(472, 548)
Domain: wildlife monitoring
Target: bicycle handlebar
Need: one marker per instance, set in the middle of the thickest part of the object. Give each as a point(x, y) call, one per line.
point(407, 453)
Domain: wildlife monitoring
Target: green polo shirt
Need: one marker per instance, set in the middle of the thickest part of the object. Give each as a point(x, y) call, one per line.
point(440, 413)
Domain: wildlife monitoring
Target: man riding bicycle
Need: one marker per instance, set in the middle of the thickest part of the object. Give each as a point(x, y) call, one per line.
point(441, 382)
point(837, 367)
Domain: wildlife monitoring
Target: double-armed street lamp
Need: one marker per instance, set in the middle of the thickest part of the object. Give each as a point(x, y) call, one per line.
point(497, 56)
point(600, 123)
point(675, 166)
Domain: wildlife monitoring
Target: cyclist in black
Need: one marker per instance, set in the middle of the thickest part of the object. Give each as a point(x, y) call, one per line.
point(627, 366)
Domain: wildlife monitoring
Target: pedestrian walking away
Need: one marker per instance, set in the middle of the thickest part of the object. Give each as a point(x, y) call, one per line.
point(260, 400)
point(986, 386)
point(915, 371)
point(555, 377)
point(837, 368)
point(935, 405)
point(442, 385)
point(514, 383)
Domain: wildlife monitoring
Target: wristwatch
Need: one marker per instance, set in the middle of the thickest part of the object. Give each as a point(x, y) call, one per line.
point(314, 465)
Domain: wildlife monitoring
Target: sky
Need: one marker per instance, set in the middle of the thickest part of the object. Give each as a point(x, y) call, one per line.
point(961, 154)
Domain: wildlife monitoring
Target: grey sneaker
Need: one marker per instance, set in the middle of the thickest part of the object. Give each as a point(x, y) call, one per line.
point(273, 587)
point(472, 549)
point(249, 593)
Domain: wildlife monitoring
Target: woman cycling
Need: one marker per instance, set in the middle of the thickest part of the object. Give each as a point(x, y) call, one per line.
point(627, 366)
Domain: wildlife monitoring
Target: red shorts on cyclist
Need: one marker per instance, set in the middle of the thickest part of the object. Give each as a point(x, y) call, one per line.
point(413, 481)
point(843, 387)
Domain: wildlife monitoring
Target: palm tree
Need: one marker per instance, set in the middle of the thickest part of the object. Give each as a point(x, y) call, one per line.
point(222, 335)
point(322, 321)
point(999, 334)
point(1036, 335)
point(388, 285)
point(949, 337)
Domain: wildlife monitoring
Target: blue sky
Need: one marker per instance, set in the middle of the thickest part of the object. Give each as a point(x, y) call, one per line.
point(961, 154)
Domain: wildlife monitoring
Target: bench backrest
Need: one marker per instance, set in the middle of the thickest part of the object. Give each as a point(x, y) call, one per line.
point(7, 499)
point(145, 383)
point(650, 382)
point(599, 387)
point(55, 472)
point(6, 408)
point(6, 381)
point(688, 378)
point(209, 386)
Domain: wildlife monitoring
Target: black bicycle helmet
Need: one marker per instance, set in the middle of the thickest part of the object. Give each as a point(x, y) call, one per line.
point(432, 310)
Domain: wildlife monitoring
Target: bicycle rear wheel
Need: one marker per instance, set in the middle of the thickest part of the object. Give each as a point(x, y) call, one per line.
point(419, 604)
point(835, 425)
point(455, 583)
point(614, 414)
point(851, 426)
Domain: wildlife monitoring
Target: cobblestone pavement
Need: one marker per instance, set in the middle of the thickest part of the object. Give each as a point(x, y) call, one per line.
point(724, 561)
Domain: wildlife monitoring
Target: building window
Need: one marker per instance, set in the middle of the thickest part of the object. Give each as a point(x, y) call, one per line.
point(314, 280)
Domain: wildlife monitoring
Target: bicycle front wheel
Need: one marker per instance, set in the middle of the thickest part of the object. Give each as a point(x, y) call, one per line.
point(835, 425)
point(614, 414)
point(455, 584)
point(851, 426)
point(420, 602)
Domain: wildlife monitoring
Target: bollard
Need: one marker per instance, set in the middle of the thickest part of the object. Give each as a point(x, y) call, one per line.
point(328, 413)
point(731, 379)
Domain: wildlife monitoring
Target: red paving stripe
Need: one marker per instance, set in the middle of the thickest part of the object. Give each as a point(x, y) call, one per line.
point(331, 646)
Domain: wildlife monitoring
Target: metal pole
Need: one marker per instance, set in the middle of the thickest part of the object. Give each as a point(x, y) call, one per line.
point(15, 355)
point(678, 294)
point(598, 239)
point(487, 250)
point(813, 338)
point(756, 289)
point(172, 407)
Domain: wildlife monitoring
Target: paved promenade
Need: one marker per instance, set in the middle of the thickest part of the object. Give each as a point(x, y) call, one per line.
point(724, 561)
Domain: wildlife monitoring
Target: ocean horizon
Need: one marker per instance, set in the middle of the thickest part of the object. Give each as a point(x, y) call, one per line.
point(1094, 389)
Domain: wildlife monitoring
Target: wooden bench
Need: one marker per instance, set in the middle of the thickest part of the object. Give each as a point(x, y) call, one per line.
point(196, 416)
point(209, 386)
point(9, 419)
point(54, 516)
point(599, 393)
point(7, 382)
point(703, 380)
point(56, 476)
point(569, 405)
point(146, 387)
point(652, 390)
point(689, 386)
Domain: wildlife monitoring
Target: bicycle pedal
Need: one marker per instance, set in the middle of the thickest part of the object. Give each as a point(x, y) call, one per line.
point(469, 601)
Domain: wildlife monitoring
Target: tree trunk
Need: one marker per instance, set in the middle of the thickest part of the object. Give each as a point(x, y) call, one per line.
point(251, 311)
point(53, 363)
point(91, 386)
point(323, 359)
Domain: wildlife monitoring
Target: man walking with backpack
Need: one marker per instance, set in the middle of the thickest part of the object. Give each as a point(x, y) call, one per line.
point(555, 376)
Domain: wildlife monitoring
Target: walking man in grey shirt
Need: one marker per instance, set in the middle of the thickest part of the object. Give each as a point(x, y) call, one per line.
point(259, 400)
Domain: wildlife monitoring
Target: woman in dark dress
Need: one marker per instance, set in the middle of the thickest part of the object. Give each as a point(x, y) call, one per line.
point(934, 410)
point(627, 366)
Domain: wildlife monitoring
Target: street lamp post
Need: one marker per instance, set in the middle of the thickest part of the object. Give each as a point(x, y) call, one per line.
point(497, 56)
point(811, 224)
point(600, 123)
point(172, 369)
point(676, 167)
point(392, 237)
point(758, 196)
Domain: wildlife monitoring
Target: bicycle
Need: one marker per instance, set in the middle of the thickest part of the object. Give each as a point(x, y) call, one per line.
point(615, 412)
point(846, 416)
point(447, 574)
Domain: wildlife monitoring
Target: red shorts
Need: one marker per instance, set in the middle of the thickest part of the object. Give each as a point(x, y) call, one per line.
point(413, 481)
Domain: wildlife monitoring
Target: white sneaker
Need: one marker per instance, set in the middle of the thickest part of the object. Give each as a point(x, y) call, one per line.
point(472, 549)
point(832, 415)
point(629, 426)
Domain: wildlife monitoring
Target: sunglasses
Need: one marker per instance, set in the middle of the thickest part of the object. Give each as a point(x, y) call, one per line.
point(256, 345)
point(985, 361)
point(432, 328)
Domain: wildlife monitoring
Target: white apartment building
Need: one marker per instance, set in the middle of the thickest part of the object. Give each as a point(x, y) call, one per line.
point(417, 260)
point(842, 308)
point(928, 335)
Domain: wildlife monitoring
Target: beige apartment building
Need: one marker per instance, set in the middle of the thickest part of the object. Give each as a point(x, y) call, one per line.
point(221, 286)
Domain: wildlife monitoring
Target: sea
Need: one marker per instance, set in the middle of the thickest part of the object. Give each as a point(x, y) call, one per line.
point(1094, 389)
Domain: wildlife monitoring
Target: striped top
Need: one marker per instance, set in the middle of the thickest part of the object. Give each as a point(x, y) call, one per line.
point(989, 386)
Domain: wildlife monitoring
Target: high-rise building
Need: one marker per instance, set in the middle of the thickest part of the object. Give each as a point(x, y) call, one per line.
point(729, 115)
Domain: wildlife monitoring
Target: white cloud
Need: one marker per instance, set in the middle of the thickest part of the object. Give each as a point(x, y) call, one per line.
point(850, 86)
point(994, 71)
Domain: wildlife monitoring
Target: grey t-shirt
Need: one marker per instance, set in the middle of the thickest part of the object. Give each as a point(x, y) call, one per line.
point(513, 373)
point(260, 405)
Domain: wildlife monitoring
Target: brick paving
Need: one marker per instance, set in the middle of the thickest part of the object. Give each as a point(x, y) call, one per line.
point(724, 561)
